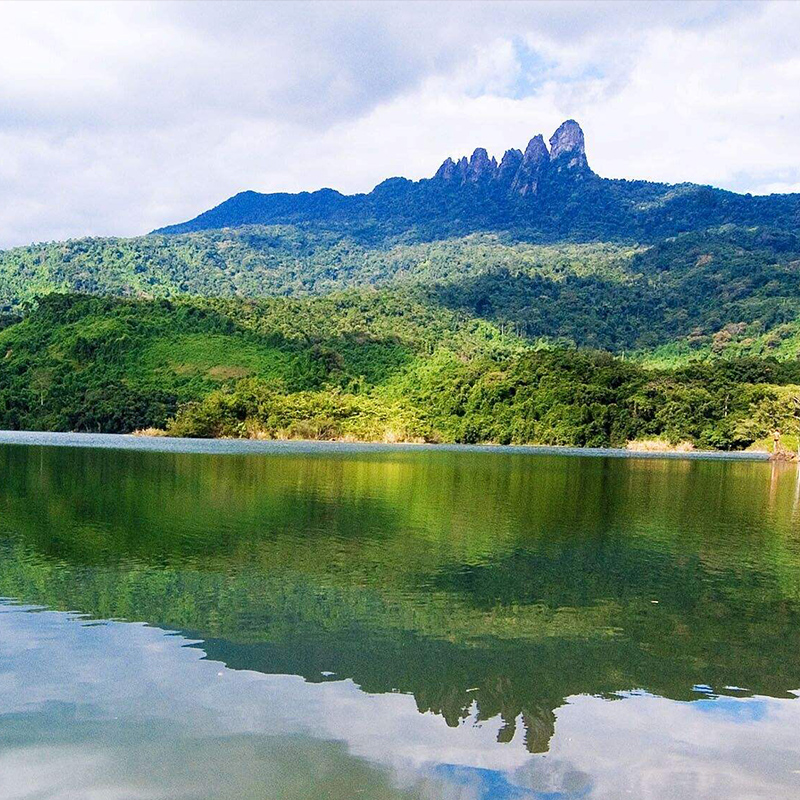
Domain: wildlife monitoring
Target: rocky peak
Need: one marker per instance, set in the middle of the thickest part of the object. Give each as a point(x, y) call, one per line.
point(480, 166)
point(447, 170)
point(536, 151)
point(509, 165)
point(567, 145)
point(534, 163)
point(522, 172)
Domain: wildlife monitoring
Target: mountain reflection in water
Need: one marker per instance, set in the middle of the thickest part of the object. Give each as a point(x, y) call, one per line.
point(428, 624)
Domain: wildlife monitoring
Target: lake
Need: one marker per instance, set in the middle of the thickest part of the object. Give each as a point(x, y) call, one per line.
point(311, 621)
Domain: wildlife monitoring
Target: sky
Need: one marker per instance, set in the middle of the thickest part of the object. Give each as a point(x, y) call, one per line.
point(117, 118)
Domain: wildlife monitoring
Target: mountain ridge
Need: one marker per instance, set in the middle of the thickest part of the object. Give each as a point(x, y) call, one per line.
point(540, 194)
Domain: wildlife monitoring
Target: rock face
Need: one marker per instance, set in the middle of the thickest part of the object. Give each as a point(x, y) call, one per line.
point(567, 146)
point(480, 167)
point(509, 166)
point(522, 173)
point(534, 164)
point(447, 171)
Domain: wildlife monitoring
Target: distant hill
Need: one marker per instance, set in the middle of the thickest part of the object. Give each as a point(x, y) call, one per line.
point(712, 292)
point(540, 194)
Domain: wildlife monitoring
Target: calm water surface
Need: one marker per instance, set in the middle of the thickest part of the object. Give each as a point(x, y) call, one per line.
point(315, 622)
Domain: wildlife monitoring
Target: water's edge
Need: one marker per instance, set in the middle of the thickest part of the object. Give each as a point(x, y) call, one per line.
point(119, 441)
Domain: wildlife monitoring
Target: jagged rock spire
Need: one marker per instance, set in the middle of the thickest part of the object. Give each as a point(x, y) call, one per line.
point(568, 143)
point(447, 170)
point(534, 162)
point(536, 151)
point(509, 165)
point(481, 167)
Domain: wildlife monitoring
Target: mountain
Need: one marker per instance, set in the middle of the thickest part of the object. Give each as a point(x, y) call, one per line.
point(713, 290)
point(541, 194)
point(721, 291)
point(456, 308)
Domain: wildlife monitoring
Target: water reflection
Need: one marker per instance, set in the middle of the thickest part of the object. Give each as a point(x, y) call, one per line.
point(125, 710)
point(495, 625)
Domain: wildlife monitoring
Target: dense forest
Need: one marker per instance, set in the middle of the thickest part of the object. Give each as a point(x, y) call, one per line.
point(366, 365)
point(728, 291)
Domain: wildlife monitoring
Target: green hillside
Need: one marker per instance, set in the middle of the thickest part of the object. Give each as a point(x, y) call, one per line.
point(88, 363)
point(370, 365)
point(279, 260)
point(726, 290)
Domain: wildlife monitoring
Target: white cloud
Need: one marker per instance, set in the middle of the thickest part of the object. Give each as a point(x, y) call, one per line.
point(118, 118)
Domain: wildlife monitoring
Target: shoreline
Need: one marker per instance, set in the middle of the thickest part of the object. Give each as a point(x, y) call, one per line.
point(144, 443)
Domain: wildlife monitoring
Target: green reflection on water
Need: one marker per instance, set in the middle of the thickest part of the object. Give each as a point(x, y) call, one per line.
point(506, 580)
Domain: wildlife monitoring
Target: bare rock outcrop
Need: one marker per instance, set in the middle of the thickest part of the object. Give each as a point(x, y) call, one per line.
point(522, 173)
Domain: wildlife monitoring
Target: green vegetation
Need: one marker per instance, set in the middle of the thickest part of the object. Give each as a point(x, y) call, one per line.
point(730, 291)
point(296, 331)
point(103, 364)
point(725, 292)
point(280, 260)
point(372, 365)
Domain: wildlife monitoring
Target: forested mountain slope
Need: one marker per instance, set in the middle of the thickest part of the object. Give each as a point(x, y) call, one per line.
point(470, 307)
point(536, 243)
point(704, 292)
point(278, 260)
